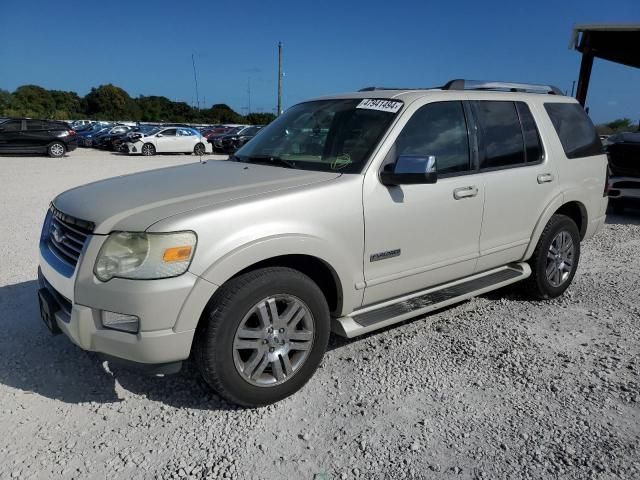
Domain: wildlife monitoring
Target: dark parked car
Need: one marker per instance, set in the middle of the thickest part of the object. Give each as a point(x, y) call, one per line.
point(230, 142)
point(22, 135)
point(85, 138)
point(103, 140)
point(623, 151)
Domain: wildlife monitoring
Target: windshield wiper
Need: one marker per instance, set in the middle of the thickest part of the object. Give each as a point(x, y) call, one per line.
point(269, 160)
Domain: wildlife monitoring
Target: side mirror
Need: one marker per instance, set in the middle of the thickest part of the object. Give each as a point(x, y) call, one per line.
point(159, 135)
point(410, 170)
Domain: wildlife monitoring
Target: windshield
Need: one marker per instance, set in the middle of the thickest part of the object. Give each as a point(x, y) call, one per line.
point(326, 135)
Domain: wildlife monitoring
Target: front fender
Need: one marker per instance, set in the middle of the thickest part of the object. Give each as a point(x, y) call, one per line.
point(266, 248)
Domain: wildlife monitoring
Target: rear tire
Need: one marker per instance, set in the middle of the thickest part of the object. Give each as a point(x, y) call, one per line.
point(251, 324)
point(555, 260)
point(148, 150)
point(199, 149)
point(56, 150)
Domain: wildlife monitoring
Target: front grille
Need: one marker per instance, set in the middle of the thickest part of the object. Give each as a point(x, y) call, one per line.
point(67, 236)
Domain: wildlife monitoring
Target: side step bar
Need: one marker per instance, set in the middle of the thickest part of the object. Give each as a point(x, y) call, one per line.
point(387, 313)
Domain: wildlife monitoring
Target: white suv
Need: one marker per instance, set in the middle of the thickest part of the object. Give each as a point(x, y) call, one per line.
point(348, 213)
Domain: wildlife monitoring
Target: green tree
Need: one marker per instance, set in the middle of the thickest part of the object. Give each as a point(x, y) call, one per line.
point(108, 102)
point(32, 101)
point(621, 125)
point(260, 118)
point(68, 105)
point(5, 101)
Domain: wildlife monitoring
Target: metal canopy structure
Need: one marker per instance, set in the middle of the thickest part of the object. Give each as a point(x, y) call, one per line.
point(616, 43)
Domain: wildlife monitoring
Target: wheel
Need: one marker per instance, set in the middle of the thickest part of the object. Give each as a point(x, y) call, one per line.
point(555, 259)
point(199, 149)
point(148, 149)
point(262, 336)
point(56, 149)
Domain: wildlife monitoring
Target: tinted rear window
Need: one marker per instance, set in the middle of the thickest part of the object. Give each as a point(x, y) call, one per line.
point(501, 134)
point(575, 130)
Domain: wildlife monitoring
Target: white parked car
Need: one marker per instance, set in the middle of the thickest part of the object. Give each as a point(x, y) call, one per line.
point(169, 140)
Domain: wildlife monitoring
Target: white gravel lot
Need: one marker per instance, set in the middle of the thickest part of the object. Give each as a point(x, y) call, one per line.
point(497, 387)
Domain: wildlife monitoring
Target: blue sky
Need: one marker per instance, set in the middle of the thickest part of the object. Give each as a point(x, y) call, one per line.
point(145, 47)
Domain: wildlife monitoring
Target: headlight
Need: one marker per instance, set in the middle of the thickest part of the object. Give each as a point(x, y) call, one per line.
point(145, 255)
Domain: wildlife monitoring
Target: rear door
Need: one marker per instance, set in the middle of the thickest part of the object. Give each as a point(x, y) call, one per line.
point(167, 141)
point(37, 134)
point(186, 140)
point(519, 179)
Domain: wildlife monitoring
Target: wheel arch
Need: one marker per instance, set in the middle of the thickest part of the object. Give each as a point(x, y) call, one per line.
point(574, 209)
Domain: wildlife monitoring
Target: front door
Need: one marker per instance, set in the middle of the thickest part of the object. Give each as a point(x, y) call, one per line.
point(418, 236)
point(11, 138)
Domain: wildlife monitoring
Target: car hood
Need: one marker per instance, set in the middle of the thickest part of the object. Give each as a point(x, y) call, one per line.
point(137, 201)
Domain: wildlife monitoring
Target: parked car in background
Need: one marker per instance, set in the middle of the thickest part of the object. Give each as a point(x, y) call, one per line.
point(216, 131)
point(85, 137)
point(103, 138)
point(623, 150)
point(232, 141)
point(22, 135)
point(76, 124)
point(169, 140)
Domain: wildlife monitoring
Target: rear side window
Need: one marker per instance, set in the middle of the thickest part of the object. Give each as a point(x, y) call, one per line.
point(532, 144)
point(502, 139)
point(438, 129)
point(575, 130)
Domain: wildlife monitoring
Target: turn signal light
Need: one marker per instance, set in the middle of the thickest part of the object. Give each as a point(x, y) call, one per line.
point(177, 254)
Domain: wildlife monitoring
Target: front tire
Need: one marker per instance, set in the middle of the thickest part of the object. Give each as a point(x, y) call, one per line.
point(148, 150)
point(56, 150)
point(262, 336)
point(555, 260)
point(199, 149)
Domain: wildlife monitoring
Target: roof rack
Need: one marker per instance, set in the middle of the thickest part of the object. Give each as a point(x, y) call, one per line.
point(460, 84)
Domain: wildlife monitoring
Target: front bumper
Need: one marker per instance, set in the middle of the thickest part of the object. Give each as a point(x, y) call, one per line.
point(157, 303)
point(625, 188)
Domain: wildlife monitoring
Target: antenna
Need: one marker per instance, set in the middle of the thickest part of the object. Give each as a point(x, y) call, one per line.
point(195, 79)
point(279, 79)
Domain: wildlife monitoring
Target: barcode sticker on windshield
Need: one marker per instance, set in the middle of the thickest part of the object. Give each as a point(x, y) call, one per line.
point(380, 104)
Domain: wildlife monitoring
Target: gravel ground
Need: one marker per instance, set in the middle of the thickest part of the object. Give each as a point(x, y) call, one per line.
point(496, 387)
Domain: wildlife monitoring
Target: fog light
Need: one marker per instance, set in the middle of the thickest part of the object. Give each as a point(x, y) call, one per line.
point(120, 321)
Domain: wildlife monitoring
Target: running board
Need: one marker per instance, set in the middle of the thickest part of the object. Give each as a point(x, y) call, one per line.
point(387, 313)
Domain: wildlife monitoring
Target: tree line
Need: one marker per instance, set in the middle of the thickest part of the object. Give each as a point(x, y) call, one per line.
point(109, 102)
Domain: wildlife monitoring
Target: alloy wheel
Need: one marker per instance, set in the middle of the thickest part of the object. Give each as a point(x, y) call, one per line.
point(560, 258)
point(273, 340)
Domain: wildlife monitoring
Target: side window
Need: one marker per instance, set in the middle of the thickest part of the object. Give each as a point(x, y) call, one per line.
point(438, 129)
point(12, 126)
point(171, 132)
point(575, 130)
point(532, 143)
point(501, 134)
point(184, 133)
point(37, 125)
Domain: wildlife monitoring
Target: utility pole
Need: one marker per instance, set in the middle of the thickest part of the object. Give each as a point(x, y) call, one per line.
point(249, 94)
point(573, 86)
point(279, 79)
point(195, 79)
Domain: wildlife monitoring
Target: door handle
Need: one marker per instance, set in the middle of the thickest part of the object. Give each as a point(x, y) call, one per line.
point(465, 192)
point(545, 178)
